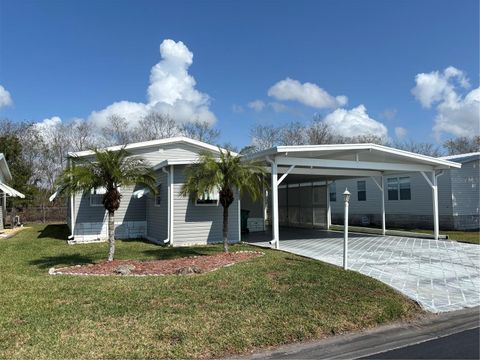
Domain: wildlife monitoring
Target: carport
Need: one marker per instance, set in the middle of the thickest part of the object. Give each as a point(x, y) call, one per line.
point(301, 175)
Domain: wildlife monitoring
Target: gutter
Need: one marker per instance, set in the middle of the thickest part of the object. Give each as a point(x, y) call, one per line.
point(72, 210)
point(169, 173)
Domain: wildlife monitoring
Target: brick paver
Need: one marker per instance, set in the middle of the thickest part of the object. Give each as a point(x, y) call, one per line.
point(440, 275)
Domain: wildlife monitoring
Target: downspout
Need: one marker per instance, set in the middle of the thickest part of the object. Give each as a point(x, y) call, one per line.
point(72, 210)
point(167, 240)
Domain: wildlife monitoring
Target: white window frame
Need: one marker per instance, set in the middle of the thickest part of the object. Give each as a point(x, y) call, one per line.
point(212, 194)
point(332, 186)
point(358, 190)
point(397, 181)
point(97, 193)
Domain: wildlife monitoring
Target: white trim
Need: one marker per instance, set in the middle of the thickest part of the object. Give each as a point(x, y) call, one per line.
point(329, 207)
point(172, 211)
point(169, 162)
point(285, 174)
point(348, 164)
point(151, 143)
point(330, 172)
point(440, 163)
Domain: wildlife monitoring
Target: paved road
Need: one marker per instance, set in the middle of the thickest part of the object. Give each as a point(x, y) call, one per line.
point(462, 345)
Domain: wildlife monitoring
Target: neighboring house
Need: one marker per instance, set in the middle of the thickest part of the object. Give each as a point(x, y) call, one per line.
point(161, 218)
point(5, 190)
point(408, 198)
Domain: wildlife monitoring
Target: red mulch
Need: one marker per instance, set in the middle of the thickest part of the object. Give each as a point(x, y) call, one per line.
point(160, 267)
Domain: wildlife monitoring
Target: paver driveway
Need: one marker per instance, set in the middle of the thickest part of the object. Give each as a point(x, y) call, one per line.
point(440, 275)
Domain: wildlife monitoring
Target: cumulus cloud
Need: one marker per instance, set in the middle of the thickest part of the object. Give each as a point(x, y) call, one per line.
point(457, 114)
point(307, 93)
point(400, 132)
point(46, 128)
point(171, 91)
point(256, 105)
point(355, 122)
point(5, 98)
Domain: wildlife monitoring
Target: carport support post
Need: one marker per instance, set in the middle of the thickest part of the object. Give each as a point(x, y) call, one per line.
point(329, 209)
point(435, 205)
point(275, 228)
point(384, 228)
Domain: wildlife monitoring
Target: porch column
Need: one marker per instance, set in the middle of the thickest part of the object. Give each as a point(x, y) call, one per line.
point(384, 229)
point(381, 187)
point(435, 206)
point(275, 226)
point(329, 209)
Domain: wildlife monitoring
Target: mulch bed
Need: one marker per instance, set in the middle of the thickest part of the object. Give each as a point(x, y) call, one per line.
point(180, 266)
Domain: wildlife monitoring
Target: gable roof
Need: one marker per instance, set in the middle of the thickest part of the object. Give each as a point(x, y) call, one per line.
point(153, 143)
point(462, 158)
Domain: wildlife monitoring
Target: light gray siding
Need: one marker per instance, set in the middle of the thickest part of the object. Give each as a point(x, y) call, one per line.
point(200, 224)
point(466, 195)
point(1, 213)
point(131, 208)
point(157, 215)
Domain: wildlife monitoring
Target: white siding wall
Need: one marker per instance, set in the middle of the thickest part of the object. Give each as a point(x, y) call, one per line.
point(200, 224)
point(466, 189)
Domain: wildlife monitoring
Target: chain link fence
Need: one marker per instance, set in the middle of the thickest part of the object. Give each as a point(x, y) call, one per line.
point(40, 214)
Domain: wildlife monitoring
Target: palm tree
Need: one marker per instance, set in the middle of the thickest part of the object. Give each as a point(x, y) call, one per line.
point(226, 174)
point(109, 170)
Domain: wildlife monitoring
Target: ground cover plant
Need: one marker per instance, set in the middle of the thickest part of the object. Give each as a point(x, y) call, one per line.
point(269, 300)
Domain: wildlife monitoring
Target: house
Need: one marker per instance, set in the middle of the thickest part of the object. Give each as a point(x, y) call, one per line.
point(300, 179)
point(408, 203)
point(5, 190)
point(165, 218)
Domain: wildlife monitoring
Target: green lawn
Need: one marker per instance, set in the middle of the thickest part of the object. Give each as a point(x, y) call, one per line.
point(275, 299)
point(472, 237)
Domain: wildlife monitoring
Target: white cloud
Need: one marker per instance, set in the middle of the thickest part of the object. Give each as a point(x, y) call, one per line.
point(256, 105)
point(400, 132)
point(278, 107)
point(355, 122)
point(457, 114)
point(5, 98)
point(307, 93)
point(171, 91)
point(46, 128)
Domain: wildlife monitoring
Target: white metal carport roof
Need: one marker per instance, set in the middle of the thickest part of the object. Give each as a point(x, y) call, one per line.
point(347, 160)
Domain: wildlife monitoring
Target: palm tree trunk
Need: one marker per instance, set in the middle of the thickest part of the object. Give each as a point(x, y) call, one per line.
point(225, 229)
point(111, 235)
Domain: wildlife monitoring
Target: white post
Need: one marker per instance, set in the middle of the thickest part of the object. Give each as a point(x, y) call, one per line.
point(346, 198)
point(275, 226)
point(435, 206)
point(329, 210)
point(384, 229)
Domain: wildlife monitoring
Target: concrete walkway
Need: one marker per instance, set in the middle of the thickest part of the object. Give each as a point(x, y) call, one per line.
point(440, 275)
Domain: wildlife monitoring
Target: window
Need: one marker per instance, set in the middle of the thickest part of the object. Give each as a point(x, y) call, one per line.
point(208, 199)
point(361, 190)
point(333, 191)
point(158, 196)
point(399, 188)
point(404, 188)
point(392, 188)
point(96, 197)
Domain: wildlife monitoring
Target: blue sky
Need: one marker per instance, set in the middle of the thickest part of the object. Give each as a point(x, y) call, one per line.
point(70, 58)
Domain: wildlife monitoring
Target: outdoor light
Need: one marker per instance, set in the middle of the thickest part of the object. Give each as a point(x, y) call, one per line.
point(346, 198)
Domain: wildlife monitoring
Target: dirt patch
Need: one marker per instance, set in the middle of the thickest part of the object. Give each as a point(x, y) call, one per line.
point(180, 266)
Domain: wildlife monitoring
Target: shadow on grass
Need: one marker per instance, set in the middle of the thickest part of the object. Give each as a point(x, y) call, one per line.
point(63, 260)
point(54, 231)
point(179, 252)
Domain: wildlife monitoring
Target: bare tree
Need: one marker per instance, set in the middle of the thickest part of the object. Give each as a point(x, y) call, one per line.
point(319, 132)
point(462, 145)
point(156, 126)
point(265, 136)
point(423, 148)
point(293, 134)
point(200, 130)
point(81, 135)
point(117, 132)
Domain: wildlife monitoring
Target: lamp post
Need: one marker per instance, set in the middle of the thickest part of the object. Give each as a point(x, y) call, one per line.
point(346, 199)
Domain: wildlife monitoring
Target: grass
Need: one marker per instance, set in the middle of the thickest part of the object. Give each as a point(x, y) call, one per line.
point(275, 299)
point(472, 237)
